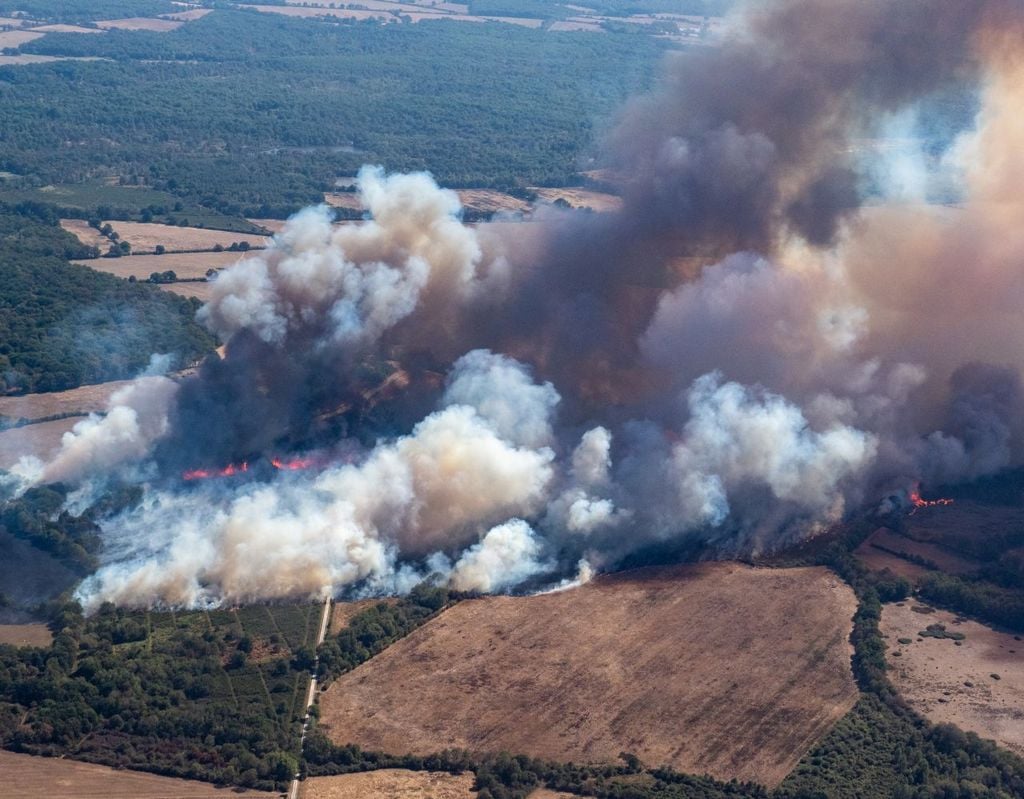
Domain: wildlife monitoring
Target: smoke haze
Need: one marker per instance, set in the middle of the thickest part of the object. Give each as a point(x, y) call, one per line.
point(740, 355)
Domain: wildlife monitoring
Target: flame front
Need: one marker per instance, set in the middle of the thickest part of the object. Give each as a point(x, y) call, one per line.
point(918, 502)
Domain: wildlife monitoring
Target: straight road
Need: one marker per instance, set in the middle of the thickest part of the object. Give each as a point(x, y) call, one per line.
point(293, 789)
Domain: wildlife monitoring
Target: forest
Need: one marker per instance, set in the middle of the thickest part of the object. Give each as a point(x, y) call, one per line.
point(256, 114)
point(62, 325)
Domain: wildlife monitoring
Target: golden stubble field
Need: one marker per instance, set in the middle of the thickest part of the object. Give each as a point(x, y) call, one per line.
point(954, 684)
point(390, 784)
point(716, 668)
point(29, 777)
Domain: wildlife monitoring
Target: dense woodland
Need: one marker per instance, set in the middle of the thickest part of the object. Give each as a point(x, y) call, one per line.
point(63, 325)
point(257, 114)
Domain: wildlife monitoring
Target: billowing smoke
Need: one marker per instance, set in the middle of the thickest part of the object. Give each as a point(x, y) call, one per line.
point(742, 354)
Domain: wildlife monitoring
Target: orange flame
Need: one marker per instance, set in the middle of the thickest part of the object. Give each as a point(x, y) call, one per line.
point(228, 471)
point(919, 502)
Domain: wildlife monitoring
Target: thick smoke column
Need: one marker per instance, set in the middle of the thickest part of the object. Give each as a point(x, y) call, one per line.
point(736, 358)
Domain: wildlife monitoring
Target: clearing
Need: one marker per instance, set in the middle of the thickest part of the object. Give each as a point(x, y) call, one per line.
point(141, 24)
point(342, 612)
point(34, 439)
point(390, 783)
point(14, 39)
point(716, 667)
point(954, 684)
point(29, 777)
point(33, 634)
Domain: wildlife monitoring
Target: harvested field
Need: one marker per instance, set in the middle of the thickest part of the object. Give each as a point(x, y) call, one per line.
point(341, 13)
point(188, 16)
point(86, 233)
point(886, 542)
point(141, 24)
point(716, 668)
point(965, 525)
point(145, 236)
point(273, 225)
point(34, 439)
point(17, 38)
point(576, 25)
point(12, 22)
point(183, 264)
point(877, 560)
point(81, 400)
point(201, 291)
point(390, 784)
point(581, 198)
point(25, 634)
point(954, 684)
point(58, 28)
point(489, 201)
point(29, 777)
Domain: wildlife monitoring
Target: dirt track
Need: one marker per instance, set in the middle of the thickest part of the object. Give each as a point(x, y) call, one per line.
point(715, 668)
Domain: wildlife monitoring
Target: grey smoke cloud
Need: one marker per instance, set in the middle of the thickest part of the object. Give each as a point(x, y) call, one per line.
point(737, 357)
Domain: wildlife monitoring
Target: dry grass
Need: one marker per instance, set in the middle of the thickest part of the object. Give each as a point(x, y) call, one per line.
point(576, 25)
point(59, 28)
point(341, 13)
point(201, 291)
point(141, 24)
point(715, 668)
point(35, 439)
point(145, 236)
point(490, 201)
point(86, 233)
point(25, 634)
point(582, 198)
point(29, 777)
point(188, 16)
point(17, 38)
point(12, 22)
point(81, 400)
point(885, 546)
point(273, 225)
point(390, 784)
point(183, 264)
point(932, 674)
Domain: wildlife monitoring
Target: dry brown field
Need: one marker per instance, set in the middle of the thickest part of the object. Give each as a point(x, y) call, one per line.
point(59, 28)
point(390, 784)
point(25, 60)
point(963, 519)
point(877, 560)
point(547, 793)
point(86, 233)
point(716, 668)
point(341, 13)
point(25, 634)
point(13, 22)
point(201, 291)
point(188, 16)
point(490, 201)
point(183, 264)
point(34, 439)
point(145, 236)
point(141, 24)
point(576, 25)
point(30, 777)
point(581, 198)
point(885, 542)
point(81, 400)
point(17, 38)
point(273, 225)
point(954, 684)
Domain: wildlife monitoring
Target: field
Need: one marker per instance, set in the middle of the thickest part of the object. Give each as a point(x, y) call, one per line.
point(183, 264)
point(141, 24)
point(390, 784)
point(885, 548)
point(25, 634)
point(201, 291)
point(954, 684)
point(17, 38)
point(628, 662)
point(35, 439)
point(28, 777)
point(86, 233)
point(80, 401)
point(491, 201)
point(966, 526)
point(581, 198)
point(145, 236)
point(342, 612)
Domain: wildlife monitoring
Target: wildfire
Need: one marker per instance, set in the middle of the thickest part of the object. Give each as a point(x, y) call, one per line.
point(232, 469)
point(918, 502)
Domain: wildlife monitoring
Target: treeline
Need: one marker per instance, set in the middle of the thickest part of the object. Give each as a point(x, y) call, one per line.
point(477, 105)
point(173, 694)
point(86, 10)
point(62, 325)
point(996, 604)
point(376, 628)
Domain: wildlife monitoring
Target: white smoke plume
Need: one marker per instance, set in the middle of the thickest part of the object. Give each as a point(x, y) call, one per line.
point(506, 556)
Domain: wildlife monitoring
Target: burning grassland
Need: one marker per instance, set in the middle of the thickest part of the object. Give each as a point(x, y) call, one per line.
point(627, 662)
point(731, 360)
